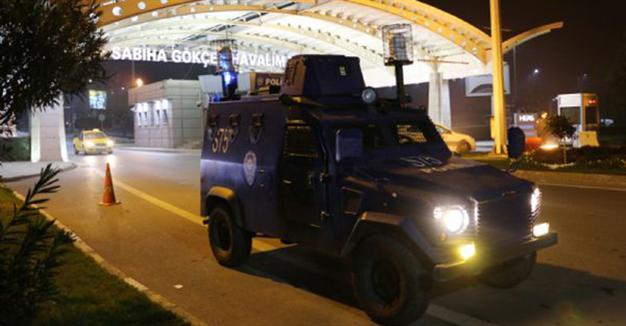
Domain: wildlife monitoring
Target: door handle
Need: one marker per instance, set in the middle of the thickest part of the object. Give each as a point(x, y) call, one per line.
point(287, 182)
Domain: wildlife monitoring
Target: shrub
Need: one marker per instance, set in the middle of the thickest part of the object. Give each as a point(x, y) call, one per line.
point(30, 248)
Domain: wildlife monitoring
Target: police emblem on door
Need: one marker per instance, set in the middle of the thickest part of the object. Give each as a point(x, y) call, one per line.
point(249, 167)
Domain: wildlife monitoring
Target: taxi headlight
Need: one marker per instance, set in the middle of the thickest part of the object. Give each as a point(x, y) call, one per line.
point(541, 229)
point(89, 143)
point(535, 200)
point(110, 143)
point(453, 219)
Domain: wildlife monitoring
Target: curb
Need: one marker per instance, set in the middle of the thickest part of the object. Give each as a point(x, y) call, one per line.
point(71, 166)
point(152, 296)
point(571, 179)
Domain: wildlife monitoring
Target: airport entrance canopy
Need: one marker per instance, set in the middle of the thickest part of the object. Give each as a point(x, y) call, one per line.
point(271, 31)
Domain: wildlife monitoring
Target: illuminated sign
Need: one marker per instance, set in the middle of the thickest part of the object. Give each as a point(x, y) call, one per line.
point(206, 58)
point(97, 99)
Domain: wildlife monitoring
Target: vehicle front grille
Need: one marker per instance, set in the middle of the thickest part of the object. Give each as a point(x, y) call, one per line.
point(506, 219)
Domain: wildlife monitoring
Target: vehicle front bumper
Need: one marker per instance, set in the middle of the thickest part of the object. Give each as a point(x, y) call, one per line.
point(488, 257)
point(98, 149)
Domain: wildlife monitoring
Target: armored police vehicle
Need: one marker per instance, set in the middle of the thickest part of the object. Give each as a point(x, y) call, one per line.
point(330, 166)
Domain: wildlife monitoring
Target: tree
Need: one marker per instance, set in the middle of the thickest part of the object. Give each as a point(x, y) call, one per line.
point(47, 47)
point(561, 127)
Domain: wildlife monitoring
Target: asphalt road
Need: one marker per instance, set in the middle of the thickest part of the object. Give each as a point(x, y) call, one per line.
point(153, 237)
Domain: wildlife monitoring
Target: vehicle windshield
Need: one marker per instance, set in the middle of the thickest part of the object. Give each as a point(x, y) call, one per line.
point(94, 135)
point(388, 140)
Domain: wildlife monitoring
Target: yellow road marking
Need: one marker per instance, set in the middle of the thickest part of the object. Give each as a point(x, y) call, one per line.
point(259, 245)
point(197, 219)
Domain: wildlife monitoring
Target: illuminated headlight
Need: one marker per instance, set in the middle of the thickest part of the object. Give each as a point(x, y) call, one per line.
point(535, 200)
point(467, 251)
point(541, 229)
point(110, 143)
point(454, 219)
point(89, 143)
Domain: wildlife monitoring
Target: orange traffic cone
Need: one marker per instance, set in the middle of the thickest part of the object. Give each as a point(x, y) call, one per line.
point(108, 195)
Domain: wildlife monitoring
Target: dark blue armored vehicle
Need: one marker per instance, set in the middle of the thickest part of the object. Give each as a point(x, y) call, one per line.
point(330, 166)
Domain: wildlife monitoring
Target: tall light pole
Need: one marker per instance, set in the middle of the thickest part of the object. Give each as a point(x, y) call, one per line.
point(499, 108)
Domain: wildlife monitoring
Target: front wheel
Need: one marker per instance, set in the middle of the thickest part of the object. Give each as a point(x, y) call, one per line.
point(509, 273)
point(387, 283)
point(230, 244)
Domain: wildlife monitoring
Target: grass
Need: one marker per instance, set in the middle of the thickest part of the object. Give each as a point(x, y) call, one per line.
point(89, 295)
point(503, 163)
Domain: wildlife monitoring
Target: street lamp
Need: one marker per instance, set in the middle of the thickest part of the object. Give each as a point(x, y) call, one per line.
point(138, 82)
point(536, 71)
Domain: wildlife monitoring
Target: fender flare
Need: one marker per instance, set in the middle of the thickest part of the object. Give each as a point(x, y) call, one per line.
point(402, 228)
point(222, 194)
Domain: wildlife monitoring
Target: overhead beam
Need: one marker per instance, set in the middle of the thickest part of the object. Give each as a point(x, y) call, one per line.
point(528, 35)
point(437, 21)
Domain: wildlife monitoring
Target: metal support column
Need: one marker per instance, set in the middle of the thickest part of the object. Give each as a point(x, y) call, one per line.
point(499, 136)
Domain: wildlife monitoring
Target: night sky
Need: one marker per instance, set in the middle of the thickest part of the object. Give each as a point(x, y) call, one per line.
point(587, 44)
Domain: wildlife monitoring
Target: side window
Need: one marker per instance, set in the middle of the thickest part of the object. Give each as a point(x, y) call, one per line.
point(409, 134)
point(300, 141)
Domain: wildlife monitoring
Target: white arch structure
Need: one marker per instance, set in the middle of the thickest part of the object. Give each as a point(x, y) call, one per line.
point(446, 46)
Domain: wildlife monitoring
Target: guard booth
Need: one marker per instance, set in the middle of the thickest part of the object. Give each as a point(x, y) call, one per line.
point(582, 110)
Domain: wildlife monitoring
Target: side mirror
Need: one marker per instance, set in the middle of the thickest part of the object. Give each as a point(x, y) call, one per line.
point(517, 142)
point(348, 144)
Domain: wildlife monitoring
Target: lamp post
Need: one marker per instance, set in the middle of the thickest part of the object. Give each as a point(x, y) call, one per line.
point(499, 108)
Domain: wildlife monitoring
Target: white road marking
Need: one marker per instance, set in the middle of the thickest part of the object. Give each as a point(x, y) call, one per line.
point(581, 187)
point(454, 317)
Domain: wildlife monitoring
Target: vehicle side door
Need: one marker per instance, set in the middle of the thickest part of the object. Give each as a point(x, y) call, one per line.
point(301, 166)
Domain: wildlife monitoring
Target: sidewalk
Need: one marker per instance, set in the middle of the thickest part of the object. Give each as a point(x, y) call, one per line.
point(571, 179)
point(13, 171)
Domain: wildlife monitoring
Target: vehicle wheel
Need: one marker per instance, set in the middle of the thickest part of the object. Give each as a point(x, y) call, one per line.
point(510, 273)
point(463, 147)
point(386, 281)
point(230, 244)
point(76, 151)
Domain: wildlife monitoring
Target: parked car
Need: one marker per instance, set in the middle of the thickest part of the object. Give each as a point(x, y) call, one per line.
point(93, 141)
point(457, 142)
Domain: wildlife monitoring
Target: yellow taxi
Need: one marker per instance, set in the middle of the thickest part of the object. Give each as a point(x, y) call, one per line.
point(93, 142)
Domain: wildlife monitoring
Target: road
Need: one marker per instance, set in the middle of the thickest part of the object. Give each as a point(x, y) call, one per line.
point(153, 237)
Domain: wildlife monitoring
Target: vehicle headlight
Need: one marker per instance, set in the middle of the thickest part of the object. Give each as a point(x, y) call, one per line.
point(89, 143)
point(541, 229)
point(110, 143)
point(535, 200)
point(454, 219)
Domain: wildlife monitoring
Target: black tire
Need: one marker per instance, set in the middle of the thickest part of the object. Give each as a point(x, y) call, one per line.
point(76, 151)
point(230, 244)
point(510, 273)
point(387, 283)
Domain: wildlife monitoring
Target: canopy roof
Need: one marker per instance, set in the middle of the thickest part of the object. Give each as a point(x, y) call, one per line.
point(442, 42)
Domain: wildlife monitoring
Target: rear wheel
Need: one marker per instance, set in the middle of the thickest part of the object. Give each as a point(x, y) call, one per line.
point(230, 244)
point(387, 283)
point(510, 273)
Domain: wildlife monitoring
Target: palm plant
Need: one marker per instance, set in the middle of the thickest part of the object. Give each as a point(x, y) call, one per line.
point(30, 248)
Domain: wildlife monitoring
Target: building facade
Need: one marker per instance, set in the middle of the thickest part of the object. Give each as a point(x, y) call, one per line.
point(167, 114)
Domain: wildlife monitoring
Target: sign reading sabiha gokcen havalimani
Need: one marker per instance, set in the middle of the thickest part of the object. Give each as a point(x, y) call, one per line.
point(206, 58)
